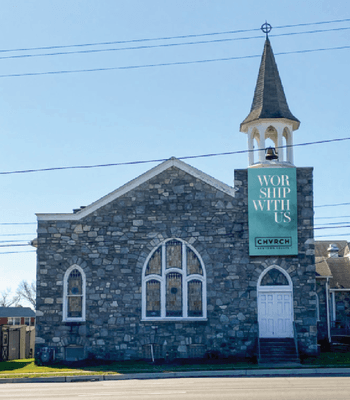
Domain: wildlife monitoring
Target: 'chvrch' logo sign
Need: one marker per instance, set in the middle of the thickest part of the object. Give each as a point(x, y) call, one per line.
point(272, 208)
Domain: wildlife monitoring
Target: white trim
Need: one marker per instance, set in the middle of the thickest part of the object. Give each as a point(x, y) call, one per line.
point(334, 311)
point(317, 308)
point(185, 279)
point(65, 302)
point(172, 162)
point(328, 311)
point(285, 273)
point(275, 289)
point(174, 319)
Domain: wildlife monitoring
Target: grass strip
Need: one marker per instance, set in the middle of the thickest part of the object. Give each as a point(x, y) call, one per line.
point(27, 368)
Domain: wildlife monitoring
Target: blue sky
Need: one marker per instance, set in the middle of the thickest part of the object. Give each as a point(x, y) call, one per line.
point(149, 113)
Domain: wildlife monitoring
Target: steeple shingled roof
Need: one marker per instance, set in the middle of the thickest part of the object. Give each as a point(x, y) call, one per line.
point(269, 99)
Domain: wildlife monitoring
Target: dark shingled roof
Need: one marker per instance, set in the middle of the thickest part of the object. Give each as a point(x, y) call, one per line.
point(322, 268)
point(16, 312)
point(321, 247)
point(340, 268)
point(269, 99)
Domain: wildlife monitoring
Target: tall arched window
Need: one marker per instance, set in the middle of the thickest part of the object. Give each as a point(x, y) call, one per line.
point(74, 287)
point(174, 283)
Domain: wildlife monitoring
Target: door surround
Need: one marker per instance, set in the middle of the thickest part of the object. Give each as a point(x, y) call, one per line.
point(284, 291)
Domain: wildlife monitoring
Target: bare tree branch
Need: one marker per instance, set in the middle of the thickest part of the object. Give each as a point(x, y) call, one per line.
point(27, 291)
point(7, 300)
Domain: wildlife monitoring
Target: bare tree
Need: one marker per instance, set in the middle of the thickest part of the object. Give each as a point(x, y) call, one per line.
point(27, 291)
point(7, 299)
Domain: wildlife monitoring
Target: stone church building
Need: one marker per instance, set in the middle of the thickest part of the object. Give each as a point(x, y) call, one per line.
point(176, 264)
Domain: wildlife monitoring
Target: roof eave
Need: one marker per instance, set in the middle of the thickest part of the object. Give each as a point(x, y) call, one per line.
point(244, 127)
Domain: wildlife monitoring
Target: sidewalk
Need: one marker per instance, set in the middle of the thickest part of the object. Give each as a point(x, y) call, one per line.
point(248, 373)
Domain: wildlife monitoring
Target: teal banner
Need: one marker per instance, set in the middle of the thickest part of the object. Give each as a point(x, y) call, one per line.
point(272, 211)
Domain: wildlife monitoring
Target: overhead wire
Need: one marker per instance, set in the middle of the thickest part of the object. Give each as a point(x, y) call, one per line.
point(166, 44)
point(18, 252)
point(340, 234)
point(165, 64)
point(333, 217)
point(165, 159)
point(172, 37)
point(333, 223)
point(17, 223)
point(333, 205)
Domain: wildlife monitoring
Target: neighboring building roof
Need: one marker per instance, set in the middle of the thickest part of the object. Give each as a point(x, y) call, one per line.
point(321, 247)
point(269, 99)
point(171, 163)
point(322, 268)
point(337, 268)
point(16, 312)
point(340, 268)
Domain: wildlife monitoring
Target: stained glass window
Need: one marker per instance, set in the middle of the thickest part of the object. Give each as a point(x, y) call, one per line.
point(195, 298)
point(153, 298)
point(174, 282)
point(274, 277)
point(73, 308)
point(174, 295)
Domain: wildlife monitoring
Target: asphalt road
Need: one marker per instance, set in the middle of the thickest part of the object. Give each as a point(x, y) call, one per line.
point(320, 388)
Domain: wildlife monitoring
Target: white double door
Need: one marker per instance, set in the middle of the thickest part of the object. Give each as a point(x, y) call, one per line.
point(275, 311)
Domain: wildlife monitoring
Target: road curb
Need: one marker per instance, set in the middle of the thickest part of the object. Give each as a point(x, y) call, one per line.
point(251, 373)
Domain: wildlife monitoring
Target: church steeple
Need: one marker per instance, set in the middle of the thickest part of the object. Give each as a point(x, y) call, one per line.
point(269, 117)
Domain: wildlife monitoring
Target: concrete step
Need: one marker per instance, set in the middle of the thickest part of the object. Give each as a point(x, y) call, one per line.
point(278, 351)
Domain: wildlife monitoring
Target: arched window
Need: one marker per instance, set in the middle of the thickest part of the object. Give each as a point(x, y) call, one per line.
point(74, 287)
point(174, 283)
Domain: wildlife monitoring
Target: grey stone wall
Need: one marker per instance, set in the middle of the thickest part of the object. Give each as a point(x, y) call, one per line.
point(112, 244)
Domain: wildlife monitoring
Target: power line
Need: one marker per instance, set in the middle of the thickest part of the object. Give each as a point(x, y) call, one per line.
point(134, 40)
point(14, 245)
point(342, 216)
point(17, 234)
point(171, 37)
point(17, 252)
point(313, 23)
point(14, 241)
point(334, 205)
point(166, 64)
point(165, 159)
point(340, 234)
point(332, 227)
point(333, 223)
point(17, 223)
point(167, 44)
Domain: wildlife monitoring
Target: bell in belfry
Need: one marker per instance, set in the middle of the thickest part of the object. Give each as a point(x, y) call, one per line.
point(271, 154)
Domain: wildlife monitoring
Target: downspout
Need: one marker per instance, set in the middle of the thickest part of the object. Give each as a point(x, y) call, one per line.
point(327, 307)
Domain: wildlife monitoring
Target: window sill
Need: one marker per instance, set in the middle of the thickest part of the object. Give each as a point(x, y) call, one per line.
point(74, 321)
point(174, 319)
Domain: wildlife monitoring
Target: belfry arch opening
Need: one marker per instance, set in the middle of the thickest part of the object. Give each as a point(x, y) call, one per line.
point(277, 135)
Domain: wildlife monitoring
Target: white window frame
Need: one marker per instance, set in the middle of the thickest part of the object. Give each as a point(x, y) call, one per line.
point(29, 320)
point(65, 295)
point(185, 280)
point(12, 320)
